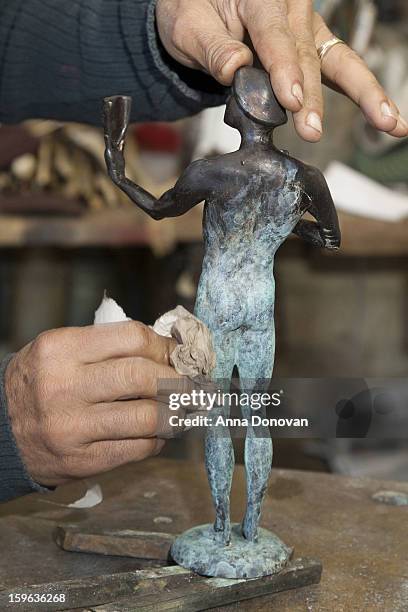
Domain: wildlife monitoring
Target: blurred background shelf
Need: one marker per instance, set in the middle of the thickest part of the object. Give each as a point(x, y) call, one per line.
point(119, 228)
point(369, 237)
point(361, 237)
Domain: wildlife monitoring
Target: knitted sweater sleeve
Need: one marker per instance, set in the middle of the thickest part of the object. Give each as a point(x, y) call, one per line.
point(58, 59)
point(14, 478)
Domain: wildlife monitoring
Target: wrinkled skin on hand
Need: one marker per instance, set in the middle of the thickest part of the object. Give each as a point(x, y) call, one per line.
point(209, 35)
point(82, 400)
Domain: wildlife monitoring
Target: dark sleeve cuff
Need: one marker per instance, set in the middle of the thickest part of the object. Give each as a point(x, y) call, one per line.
point(174, 91)
point(14, 478)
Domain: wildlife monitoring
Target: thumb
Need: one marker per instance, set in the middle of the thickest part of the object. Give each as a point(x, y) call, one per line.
point(219, 54)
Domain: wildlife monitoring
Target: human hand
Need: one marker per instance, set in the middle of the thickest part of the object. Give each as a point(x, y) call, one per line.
point(209, 34)
point(62, 391)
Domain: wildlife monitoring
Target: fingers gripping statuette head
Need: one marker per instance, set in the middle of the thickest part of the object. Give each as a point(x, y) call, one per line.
point(253, 93)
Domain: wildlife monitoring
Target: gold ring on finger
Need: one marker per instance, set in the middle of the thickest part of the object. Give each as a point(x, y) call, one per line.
point(325, 47)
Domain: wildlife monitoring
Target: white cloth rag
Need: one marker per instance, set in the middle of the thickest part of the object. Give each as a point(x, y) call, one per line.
point(194, 354)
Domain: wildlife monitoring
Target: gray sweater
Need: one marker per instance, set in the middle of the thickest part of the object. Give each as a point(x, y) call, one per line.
point(58, 59)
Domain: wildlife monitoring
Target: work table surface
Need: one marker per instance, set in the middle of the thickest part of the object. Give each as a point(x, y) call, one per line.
point(363, 545)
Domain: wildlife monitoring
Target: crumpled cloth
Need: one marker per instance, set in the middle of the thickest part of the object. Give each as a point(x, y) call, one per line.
point(194, 354)
point(193, 358)
point(109, 311)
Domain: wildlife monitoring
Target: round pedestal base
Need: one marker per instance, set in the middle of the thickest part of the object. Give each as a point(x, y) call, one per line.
point(198, 550)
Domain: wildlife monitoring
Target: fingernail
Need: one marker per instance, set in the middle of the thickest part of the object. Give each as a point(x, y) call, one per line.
point(387, 111)
point(313, 120)
point(297, 92)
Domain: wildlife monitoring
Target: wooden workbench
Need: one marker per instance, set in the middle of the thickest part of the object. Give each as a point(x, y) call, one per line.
point(362, 544)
